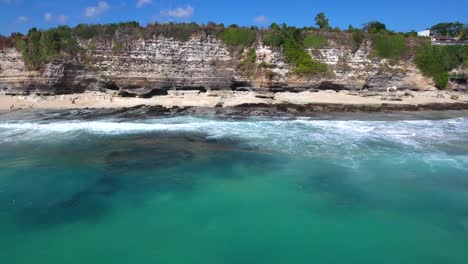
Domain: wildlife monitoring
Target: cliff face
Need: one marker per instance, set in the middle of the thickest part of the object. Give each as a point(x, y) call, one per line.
point(152, 67)
point(350, 70)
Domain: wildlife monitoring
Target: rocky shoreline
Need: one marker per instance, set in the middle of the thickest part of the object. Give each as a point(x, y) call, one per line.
point(202, 72)
point(240, 104)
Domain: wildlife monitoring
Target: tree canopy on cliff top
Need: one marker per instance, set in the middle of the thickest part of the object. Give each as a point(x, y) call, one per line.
point(453, 29)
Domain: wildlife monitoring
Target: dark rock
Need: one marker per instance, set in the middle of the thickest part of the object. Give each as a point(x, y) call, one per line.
point(328, 85)
point(381, 81)
point(264, 95)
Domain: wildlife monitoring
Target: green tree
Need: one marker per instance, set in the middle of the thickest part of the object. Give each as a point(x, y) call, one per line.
point(464, 34)
point(40, 47)
point(322, 21)
point(375, 27)
point(453, 29)
point(274, 26)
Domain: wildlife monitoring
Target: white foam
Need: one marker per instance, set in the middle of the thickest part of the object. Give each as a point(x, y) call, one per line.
point(302, 136)
point(99, 127)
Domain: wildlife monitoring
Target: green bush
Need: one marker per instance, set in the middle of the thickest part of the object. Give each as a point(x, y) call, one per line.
point(251, 56)
point(178, 31)
point(391, 47)
point(183, 32)
point(432, 60)
point(358, 38)
point(235, 37)
point(273, 39)
point(437, 61)
point(314, 41)
point(117, 45)
point(84, 31)
point(291, 40)
point(248, 64)
point(441, 80)
point(263, 65)
point(301, 59)
point(20, 44)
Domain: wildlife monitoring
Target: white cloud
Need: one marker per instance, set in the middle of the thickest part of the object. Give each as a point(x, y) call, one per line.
point(181, 12)
point(260, 19)
point(93, 11)
point(48, 16)
point(141, 3)
point(22, 19)
point(62, 19)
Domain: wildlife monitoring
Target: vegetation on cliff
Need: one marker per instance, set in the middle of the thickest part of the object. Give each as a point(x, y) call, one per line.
point(391, 47)
point(39, 47)
point(358, 38)
point(314, 41)
point(453, 29)
point(438, 61)
point(249, 63)
point(236, 36)
point(291, 39)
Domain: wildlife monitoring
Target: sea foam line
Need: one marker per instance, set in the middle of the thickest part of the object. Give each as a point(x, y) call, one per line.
point(279, 129)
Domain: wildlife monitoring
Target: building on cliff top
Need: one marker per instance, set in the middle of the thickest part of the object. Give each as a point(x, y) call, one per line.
point(439, 39)
point(425, 33)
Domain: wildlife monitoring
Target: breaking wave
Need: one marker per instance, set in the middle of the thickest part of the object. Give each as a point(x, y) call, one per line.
point(300, 136)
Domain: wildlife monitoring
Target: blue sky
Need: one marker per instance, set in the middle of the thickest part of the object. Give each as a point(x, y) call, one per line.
point(401, 15)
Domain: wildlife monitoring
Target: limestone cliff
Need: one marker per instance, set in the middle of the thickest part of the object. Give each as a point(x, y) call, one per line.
point(148, 67)
point(350, 70)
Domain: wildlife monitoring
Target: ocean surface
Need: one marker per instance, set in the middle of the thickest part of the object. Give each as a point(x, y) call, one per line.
point(359, 189)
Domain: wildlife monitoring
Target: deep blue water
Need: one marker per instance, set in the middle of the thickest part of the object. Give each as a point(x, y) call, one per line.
point(385, 189)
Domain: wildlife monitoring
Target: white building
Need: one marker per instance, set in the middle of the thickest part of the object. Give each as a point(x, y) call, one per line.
point(425, 33)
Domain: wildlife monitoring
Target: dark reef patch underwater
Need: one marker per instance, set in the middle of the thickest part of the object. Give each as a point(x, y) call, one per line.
point(84, 187)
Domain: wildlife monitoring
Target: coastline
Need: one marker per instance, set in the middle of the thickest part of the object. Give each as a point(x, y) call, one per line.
point(319, 101)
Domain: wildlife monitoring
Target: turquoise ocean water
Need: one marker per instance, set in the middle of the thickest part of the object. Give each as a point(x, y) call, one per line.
point(200, 190)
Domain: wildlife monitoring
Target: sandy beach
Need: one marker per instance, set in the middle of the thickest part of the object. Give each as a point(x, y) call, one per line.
point(226, 99)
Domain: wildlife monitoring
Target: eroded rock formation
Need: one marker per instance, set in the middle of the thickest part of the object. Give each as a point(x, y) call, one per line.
point(151, 67)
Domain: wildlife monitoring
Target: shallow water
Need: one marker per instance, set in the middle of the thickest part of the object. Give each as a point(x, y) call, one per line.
point(198, 190)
